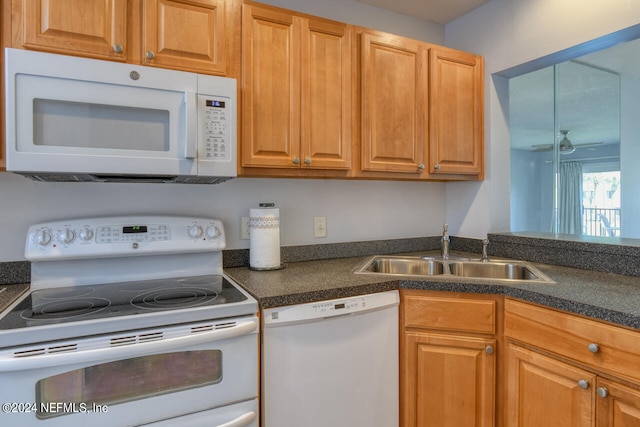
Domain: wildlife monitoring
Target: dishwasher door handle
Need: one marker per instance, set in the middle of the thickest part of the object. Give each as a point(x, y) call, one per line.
point(241, 421)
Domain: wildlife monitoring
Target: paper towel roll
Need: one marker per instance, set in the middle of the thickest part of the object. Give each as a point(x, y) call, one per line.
point(264, 238)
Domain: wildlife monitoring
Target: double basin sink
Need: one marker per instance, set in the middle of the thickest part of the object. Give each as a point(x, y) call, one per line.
point(503, 271)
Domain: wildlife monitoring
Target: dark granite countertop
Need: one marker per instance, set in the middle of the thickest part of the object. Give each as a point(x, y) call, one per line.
point(605, 296)
point(582, 272)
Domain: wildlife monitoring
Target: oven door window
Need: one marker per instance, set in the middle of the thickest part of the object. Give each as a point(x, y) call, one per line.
point(128, 380)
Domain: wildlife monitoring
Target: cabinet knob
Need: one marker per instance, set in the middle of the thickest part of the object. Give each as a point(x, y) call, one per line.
point(583, 384)
point(150, 54)
point(117, 48)
point(296, 161)
point(437, 167)
point(489, 349)
point(593, 347)
point(602, 392)
point(421, 166)
point(307, 160)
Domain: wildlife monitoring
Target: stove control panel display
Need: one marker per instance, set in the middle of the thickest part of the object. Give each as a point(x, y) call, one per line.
point(133, 233)
point(123, 236)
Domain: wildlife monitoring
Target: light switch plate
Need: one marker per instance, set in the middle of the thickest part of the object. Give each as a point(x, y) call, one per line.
point(244, 232)
point(319, 226)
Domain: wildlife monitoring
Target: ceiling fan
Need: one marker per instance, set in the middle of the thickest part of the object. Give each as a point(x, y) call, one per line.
point(565, 146)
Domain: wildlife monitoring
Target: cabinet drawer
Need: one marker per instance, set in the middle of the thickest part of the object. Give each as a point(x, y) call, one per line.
point(601, 346)
point(454, 314)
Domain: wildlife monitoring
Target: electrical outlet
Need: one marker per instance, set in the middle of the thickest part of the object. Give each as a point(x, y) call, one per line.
point(319, 226)
point(244, 232)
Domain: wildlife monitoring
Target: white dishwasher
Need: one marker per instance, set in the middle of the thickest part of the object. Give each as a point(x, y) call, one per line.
point(331, 363)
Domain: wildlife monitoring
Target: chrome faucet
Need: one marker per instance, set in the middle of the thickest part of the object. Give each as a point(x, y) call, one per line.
point(485, 255)
point(445, 242)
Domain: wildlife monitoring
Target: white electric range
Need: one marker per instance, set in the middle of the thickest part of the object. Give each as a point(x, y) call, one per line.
point(129, 321)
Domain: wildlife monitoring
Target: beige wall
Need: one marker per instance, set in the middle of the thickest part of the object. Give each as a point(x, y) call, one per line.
point(363, 210)
point(509, 33)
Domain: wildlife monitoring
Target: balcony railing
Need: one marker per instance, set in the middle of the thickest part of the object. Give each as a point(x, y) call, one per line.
point(601, 222)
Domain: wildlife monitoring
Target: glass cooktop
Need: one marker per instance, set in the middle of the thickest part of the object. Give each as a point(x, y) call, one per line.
point(113, 300)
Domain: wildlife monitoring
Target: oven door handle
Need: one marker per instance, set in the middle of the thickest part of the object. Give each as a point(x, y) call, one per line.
point(10, 363)
point(241, 421)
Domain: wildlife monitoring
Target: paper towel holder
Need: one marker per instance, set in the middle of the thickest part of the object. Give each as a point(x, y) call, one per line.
point(278, 267)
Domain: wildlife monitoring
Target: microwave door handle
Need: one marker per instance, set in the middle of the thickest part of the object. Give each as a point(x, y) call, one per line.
point(10, 363)
point(191, 125)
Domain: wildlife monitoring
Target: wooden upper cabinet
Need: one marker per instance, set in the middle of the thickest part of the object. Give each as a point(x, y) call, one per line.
point(422, 109)
point(326, 94)
point(187, 35)
point(77, 27)
point(394, 103)
point(194, 35)
point(296, 91)
point(270, 88)
point(457, 112)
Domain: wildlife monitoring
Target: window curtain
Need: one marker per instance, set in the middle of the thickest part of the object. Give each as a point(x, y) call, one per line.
point(570, 198)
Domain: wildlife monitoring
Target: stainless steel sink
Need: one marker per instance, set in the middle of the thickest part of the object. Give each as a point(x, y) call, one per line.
point(498, 270)
point(495, 270)
point(410, 266)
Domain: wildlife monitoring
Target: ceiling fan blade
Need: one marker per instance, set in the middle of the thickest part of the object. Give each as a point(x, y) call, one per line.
point(587, 144)
point(542, 147)
point(549, 147)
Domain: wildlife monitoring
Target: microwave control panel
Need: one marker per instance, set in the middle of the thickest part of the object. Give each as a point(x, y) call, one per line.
point(215, 125)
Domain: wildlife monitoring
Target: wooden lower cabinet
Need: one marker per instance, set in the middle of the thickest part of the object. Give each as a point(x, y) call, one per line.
point(450, 380)
point(567, 370)
point(617, 405)
point(483, 360)
point(542, 391)
point(448, 368)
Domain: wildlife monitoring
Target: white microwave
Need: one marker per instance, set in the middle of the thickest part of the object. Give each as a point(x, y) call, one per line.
point(78, 119)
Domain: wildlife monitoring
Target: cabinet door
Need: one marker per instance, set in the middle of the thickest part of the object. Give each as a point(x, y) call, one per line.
point(542, 391)
point(326, 94)
point(449, 381)
point(617, 405)
point(186, 35)
point(271, 88)
point(5, 35)
point(77, 27)
point(457, 114)
point(394, 79)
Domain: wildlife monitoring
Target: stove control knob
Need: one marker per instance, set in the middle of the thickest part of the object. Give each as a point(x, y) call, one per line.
point(195, 231)
point(42, 238)
point(213, 232)
point(86, 234)
point(66, 236)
